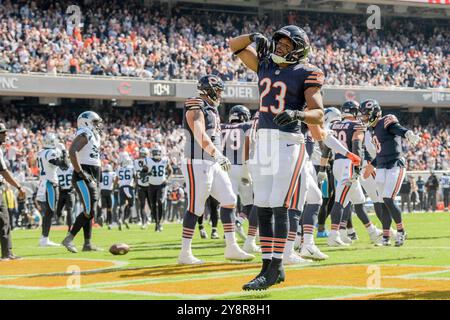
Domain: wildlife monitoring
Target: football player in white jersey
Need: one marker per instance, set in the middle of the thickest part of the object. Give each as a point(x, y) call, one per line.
point(106, 192)
point(158, 172)
point(142, 182)
point(84, 155)
point(125, 179)
point(49, 159)
point(66, 197)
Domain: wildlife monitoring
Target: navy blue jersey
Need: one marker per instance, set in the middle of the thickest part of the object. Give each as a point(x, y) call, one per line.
point(192, 150)
point(343, 131)
point(233, 141)
point(387, 144)
point(284, 88)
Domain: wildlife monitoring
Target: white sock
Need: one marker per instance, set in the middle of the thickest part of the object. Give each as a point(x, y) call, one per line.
point(308, 239)
point(288, 248)
point(186, 245)
point(230, 238)
point(371, 228)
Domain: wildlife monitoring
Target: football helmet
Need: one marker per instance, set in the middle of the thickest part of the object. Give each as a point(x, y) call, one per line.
point(350, 108)
point(332, 114)
point(124, 158)
point(299, 40)
point(108, 168)
point(210, 86)
point(370, 111)
point(91, 120)
point(143, 152)
point(156, 153)
point(239, 113)
point(50, 141)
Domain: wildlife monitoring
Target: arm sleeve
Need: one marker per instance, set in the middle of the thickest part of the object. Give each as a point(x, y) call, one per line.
point(370, 148)
point(3, 166)
point(398, 130)
point(357, 148)
point(326, 151)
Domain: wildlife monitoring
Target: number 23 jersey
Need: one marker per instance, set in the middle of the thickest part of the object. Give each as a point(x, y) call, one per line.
point(283, 89)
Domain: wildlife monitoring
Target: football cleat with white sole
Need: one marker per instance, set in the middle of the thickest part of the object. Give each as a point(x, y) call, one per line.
point(45, 242)
point(203, 234)
point(334, 240)
point(383, 242)
point(375, 235)
point(344, 237)
point(294, 258)
point(233, 252)
point(250, 247)
point(188, 258)
point(393, 233)
point(400, 239)
point(312, 252)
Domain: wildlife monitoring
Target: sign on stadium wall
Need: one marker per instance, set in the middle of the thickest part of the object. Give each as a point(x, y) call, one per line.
point(42, 85)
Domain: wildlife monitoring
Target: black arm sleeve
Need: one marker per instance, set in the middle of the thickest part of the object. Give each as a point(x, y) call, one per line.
point(397, 129)
point(357, 148)
point(60, 162)
point(326, 152)
point(374, 162)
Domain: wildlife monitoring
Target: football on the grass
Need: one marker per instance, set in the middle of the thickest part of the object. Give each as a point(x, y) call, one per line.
point(119, 249)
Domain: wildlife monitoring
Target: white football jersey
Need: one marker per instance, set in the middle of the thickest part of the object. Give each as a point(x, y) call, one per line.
point(107, 182)
point(47, 170)
point(139, 164)
point(90, 153)
point(3, 166)
point(126, 176)
point(65, 178)
point(157, 174)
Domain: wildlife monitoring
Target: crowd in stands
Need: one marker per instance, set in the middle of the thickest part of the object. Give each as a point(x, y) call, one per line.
point(124, 38)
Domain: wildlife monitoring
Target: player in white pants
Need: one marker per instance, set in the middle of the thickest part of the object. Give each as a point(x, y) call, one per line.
point(205, 169)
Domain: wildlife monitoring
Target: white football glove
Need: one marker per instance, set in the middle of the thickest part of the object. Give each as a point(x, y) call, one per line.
point(321, 177)
point(246, 177)
point(223, 161)
point(412, 138)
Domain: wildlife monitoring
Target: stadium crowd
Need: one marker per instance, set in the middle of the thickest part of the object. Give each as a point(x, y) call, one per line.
point(124, 38)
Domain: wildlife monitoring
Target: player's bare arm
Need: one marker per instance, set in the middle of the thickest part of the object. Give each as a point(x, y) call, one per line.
point(314, 106)
point(196, 122)
point(78, 143)
point(6, 174)
point(240, 46)
point(169, 171)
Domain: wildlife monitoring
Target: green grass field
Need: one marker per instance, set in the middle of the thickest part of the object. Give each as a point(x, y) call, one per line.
point(418, 270)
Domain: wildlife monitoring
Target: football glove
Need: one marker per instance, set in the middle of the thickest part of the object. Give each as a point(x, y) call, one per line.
point(246, 178)
point(322, 175)
point(288, 116)
point(412, 138)
point(261, 42)
point(223, 161)
point(356, 160)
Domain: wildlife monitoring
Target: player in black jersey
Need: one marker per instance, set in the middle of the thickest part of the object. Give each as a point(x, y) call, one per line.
point(386, 134)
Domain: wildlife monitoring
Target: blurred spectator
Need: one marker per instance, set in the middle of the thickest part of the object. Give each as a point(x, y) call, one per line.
point(432, 186)
point(445, 183)
point(405, 194)
point(421, 191)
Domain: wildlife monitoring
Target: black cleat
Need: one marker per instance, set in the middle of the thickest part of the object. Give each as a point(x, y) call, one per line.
point(214, 234)
point(262, 282)
point(91, 247)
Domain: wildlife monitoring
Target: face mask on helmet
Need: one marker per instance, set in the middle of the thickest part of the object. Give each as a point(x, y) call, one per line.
point(212, 87)
point(300, 43)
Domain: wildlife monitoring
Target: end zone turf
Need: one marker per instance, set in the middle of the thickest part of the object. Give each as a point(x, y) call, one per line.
point(419, 270)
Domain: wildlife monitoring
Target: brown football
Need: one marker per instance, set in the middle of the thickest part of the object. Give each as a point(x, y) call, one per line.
point(119, 249)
